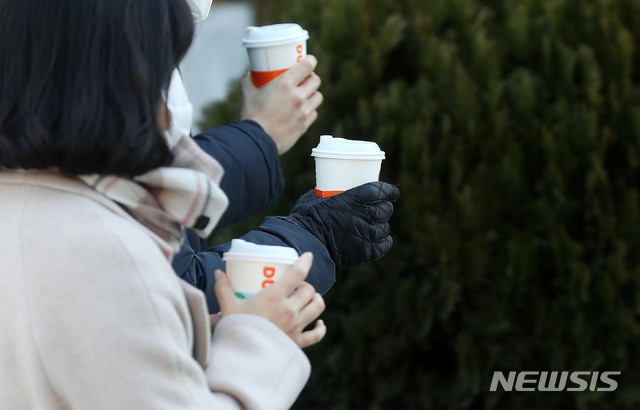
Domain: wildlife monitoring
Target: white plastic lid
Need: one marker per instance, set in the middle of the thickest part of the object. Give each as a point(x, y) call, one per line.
point(274, 35)
point(242, 250)
point(342, 148)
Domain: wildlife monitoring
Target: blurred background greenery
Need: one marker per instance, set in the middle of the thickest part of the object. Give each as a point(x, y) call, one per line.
point(512, 129)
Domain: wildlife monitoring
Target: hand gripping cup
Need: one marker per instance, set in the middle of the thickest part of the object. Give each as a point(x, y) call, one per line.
point(253, 267)
point(274, 49)
point(343, 164)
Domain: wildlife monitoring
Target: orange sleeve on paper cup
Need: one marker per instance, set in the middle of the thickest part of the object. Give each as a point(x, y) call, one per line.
point(273, 49)
point(260, 78)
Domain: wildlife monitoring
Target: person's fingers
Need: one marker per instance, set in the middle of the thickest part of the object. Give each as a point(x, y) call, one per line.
point(314, 101)
point(381, 212)
point(224, 292)
point(382, 247)
point(368, 230)
point(310, 108)
point(313, 336)
point(391, 192)
point(302, 295)
point(383, 231)
point(293, 277)
point(301, 70)
point(311, 118)
point(309, 85)
point(374, 192)
point(314, 307)
point(374, 232)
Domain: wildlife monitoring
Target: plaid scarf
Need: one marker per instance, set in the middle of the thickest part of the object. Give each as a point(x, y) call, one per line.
point(164, 199)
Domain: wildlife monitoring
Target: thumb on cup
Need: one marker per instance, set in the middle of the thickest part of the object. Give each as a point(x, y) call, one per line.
point(224, 292)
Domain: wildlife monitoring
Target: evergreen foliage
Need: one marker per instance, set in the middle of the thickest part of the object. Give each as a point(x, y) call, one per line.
point(512, 129)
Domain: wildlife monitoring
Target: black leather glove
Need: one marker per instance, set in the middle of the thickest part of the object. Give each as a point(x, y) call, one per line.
point(352, 225)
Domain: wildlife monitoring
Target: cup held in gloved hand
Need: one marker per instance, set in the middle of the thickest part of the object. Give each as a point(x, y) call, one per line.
point(342, 164)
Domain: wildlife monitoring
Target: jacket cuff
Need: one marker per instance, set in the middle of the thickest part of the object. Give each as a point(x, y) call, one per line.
point(323, 271)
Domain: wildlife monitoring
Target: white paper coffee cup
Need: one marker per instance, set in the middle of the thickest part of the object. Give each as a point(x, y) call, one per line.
point(251, 267)
point(343, 164)
point(273, 49)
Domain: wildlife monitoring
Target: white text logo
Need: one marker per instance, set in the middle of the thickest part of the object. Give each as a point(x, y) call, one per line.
point(554, 381)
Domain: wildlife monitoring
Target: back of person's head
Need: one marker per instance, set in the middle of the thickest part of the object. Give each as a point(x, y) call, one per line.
point(81, 82)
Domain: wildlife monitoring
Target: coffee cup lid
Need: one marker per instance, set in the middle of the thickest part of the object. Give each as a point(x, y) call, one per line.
point(273, 35)
point(242, 250)
point(342, 148)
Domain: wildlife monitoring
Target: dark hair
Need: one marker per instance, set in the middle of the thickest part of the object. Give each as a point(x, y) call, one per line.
point(81, 82)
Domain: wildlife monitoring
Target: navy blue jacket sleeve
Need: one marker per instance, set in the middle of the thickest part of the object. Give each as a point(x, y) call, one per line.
point(253, 179)
point(198, 263)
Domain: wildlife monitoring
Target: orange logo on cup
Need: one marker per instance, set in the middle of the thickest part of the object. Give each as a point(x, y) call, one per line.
point(268, 272)
point(299, 51)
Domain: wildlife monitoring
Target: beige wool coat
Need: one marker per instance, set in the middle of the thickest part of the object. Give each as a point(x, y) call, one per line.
point(92, 315)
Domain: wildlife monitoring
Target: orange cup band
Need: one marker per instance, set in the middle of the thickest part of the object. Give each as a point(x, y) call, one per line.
point(326, 194)
point(260, 78)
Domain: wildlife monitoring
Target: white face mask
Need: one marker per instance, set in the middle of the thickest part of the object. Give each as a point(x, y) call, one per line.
point(200, 8)
point(181, 110)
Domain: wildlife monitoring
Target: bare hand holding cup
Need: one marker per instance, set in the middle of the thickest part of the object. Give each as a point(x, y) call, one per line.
point(290, 303)
point(287, 105)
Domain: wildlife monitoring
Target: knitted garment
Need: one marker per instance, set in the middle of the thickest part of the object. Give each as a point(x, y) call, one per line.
point(164, 199)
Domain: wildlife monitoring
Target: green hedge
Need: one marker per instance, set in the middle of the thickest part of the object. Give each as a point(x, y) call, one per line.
point(512, 129)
